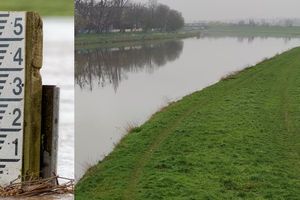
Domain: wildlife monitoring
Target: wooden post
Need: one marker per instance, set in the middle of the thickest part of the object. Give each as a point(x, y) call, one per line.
point(50, 119)
point(33, 96)
point(21, 48)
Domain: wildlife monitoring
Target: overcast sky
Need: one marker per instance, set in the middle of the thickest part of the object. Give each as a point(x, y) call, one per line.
point(234, 9)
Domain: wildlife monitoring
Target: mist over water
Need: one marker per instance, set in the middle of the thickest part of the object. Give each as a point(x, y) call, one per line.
point(194, 10)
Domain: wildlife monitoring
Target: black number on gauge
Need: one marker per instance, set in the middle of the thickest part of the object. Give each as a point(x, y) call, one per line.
point(17, 112)
point(15, 142)
point(18, 26)
point(18, 87)
point(18, 56)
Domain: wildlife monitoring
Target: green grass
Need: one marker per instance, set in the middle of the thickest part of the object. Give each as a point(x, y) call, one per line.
point(250, 31)
point(90, 41)
point(44, 7)
point(237, 139)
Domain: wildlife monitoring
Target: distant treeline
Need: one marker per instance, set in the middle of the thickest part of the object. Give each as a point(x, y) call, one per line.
point(249, 23)
point(121, 15)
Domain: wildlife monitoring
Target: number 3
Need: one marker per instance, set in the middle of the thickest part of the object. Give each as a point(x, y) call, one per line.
point(18, 89)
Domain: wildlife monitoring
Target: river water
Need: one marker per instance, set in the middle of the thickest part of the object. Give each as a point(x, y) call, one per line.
point(120, 87)
point(58, 69)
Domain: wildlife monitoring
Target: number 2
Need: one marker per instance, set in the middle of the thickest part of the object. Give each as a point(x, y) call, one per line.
point(18, 112)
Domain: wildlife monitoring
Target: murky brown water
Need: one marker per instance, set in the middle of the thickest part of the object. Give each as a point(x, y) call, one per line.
point(121, 86)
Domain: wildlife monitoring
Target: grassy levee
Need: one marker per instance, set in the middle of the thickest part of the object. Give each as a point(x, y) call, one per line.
point(90, 41)
point(237, 139)
point(43, 7)
point(250, 31)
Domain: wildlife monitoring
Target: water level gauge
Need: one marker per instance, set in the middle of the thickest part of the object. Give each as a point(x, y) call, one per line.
point(12, 86)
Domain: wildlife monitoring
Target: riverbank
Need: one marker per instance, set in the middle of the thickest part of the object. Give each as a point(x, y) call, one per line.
point(44, 8)
point(235, 139)
point(250, 31)
point(112, 40)
point(109, 40)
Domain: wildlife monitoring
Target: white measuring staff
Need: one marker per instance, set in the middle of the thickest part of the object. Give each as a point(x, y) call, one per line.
point(12, 86)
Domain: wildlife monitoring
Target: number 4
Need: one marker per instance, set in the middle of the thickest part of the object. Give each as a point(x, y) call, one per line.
point(18, 56)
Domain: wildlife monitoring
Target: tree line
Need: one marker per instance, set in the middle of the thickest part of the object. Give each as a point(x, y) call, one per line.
point(121, 15)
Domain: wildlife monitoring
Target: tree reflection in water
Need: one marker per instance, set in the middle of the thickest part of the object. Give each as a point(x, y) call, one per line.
point(102, 67)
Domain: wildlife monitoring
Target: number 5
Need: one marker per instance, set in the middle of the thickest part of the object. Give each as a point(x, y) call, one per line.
point(18, 25)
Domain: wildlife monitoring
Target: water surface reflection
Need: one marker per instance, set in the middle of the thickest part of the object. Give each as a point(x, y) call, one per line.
point(110, 66)
point(117, 87)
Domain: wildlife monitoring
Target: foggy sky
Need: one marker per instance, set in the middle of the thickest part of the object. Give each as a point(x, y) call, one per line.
point(234, 9)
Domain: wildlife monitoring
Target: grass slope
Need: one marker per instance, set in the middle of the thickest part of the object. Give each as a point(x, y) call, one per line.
point(44, 7)
point(238, 139)
point(90, 41)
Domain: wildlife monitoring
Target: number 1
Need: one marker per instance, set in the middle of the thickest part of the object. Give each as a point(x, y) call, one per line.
point(16, 146)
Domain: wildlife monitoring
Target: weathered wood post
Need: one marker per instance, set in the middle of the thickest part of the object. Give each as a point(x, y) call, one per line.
point(21, 45)
point(33, 95)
